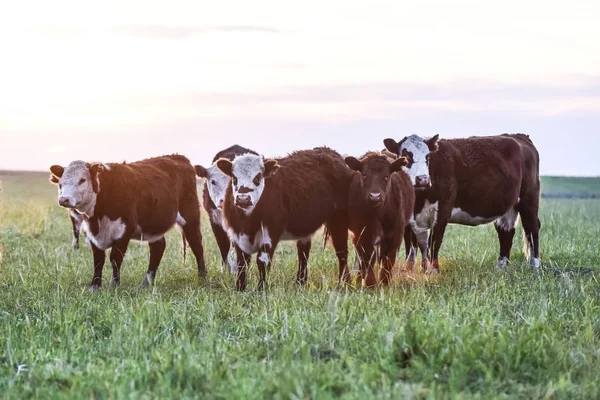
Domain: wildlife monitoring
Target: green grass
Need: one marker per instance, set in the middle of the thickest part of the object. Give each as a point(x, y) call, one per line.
point(470, 332)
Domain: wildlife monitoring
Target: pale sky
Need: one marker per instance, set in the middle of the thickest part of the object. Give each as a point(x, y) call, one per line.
point(124, 80)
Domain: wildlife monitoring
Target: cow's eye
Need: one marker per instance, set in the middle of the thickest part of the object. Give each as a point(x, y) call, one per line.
point(213, 183)
point(60, 185)
point(82, 181)
point(257, 179)
point(234, 180)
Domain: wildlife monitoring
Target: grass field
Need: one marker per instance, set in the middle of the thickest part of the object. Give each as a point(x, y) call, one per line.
point(470, 332)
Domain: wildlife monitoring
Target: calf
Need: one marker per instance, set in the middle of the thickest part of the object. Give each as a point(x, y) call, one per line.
point(286, 199)
point(472, 181)
point(77, 219)
point(213, 195)
point(381, 204)
point(140, 200)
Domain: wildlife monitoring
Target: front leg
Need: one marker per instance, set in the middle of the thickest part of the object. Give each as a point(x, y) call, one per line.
point(99, 258)
point(366, 254)
point(423, 242)
point(243, 261)
point(116, 259)
point(263, 261)
point(224, 245)
point(410, 243)
point(76, 221)
point(388, 259)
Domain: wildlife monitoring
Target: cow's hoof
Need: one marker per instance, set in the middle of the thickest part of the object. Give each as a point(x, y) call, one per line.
point(535, 264)
point(501, 263)
point(148, 281)
point(94, 288)
point(114, 284)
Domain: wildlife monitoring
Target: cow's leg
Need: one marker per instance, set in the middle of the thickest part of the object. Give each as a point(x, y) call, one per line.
point(505, 226)
point(157, 249)
point(190, 224)
point(423, 243)
point(303, 253)
point(410, 243)
point(437, 237)
point(388, 253)
point(76, 220)
point(117, 254)
point(224, 246)
point(528, 209)
point(243, 261)
point(339, 238)
point(367, 261)
point(99, 258)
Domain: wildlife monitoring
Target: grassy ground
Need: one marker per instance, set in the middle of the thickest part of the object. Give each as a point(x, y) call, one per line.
point(469, 332)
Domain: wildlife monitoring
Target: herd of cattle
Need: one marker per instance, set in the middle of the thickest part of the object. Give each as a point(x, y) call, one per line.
point(409, 188)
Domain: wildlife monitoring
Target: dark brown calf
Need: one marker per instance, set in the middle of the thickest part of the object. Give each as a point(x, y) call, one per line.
point(380, 206)
point(286, 199)
point(472, 181)
point(140, 200)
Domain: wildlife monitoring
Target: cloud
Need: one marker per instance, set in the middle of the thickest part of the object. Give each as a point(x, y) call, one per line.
point(157, 31)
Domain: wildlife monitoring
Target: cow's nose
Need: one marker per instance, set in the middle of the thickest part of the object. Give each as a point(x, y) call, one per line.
point(64, 201)
point(422, 180)
point(375, 196)
point(243, 200)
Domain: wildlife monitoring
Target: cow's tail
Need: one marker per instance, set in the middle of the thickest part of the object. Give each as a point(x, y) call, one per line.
point(326, 236)
point(184, 244)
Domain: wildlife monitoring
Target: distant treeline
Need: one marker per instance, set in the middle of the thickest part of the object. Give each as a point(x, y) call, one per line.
point(562, 187)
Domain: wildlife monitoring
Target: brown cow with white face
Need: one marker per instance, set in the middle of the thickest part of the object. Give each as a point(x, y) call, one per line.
point(140, 200)
point(289, 198)
point(472, 181)
point(380, 205)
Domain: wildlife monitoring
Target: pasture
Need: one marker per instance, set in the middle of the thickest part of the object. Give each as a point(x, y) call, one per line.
point(471, 331)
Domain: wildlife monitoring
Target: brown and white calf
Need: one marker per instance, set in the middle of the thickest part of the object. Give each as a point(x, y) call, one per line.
point(140, 200)
point(472, 181)
point(213, 197)
point(289, 198)
point(381, 204)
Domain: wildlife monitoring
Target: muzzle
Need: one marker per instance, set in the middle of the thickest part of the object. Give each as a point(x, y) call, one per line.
point(422, 182)
point(243, 201)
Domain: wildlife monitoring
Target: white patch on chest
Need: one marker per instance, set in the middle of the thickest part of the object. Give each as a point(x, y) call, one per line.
point(425, 219)
point(108, 232)
point(463, 218)
point(251, 245)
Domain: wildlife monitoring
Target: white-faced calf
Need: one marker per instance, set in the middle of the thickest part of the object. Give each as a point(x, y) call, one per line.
point(213, 197)
point(140, 200)
point(380, 206)
point(472, 181)
point(286, 199)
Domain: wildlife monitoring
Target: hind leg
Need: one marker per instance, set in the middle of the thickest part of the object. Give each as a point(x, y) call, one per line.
point(339, 238)
point(505, 226)
point(224, 245)
point(189, 220)
point(157, 249)
point(531, 230)
point(303, 253)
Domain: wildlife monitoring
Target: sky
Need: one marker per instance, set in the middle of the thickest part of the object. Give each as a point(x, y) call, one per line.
point(125, 80)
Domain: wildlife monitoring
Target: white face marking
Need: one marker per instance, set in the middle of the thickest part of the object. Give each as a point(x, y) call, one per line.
point(248, 181)
point(416, 145)
point(108, 232)
point(508, 221)
point(180, 220)
point(463, 218)
point(75, 188)
point(217, 183)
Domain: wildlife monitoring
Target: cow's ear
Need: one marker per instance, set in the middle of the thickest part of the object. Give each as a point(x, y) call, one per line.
point(271, 168)
point(54, 179)
point(433, 143)
point(397, 165)
point(353, 163)
point(391, 145)
point(95, 171)
point(201, 171)
point(57, 171)
point(225, 166)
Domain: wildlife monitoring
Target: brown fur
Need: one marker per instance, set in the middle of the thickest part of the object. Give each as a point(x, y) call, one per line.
point(379, 228)
point(309, 189)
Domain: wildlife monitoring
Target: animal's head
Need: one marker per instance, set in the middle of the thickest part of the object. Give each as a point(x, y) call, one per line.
point(376, 170)
point(216, 181)
point(416, 150)
point(78, 184)
point(248, 173)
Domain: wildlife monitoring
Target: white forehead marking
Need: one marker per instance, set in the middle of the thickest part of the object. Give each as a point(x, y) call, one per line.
point(416, 145)
point(248, 165)
point(74, 171)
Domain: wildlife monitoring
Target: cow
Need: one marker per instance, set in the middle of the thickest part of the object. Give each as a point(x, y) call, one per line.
point(213, 196)
point(139, 200)
point(471, 181)
point(380, 205)
point(76, 218)
point(288, 198)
